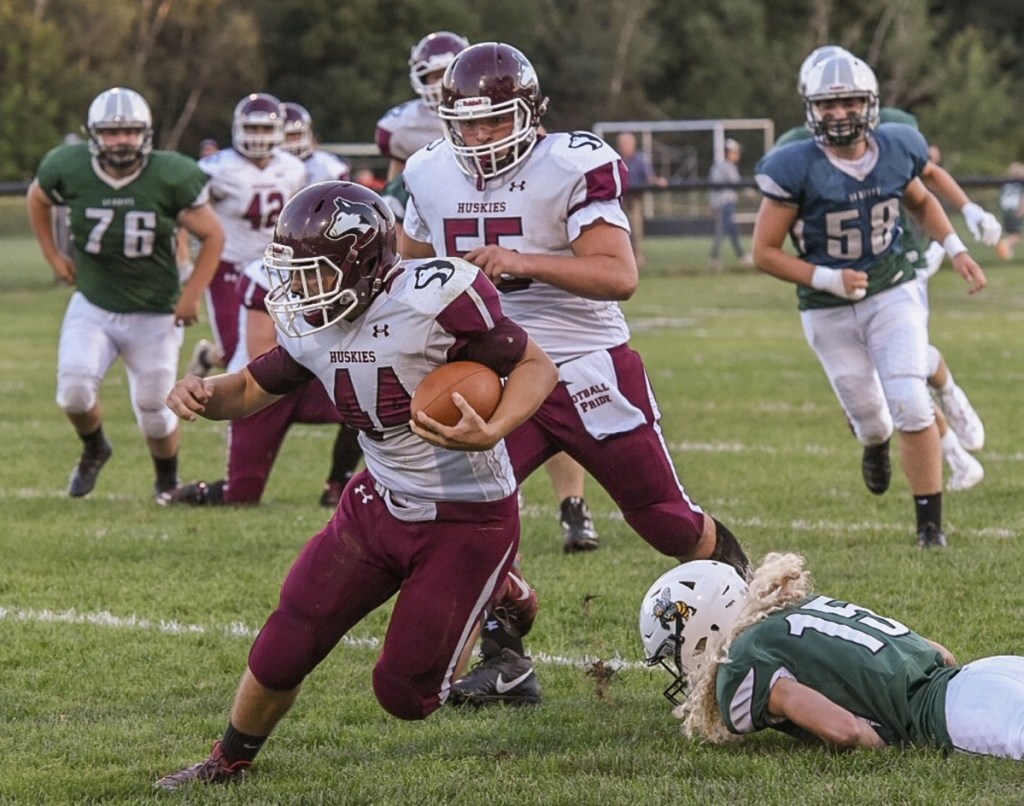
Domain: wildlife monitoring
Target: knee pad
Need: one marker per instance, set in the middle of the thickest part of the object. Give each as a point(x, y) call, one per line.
point(77, 394)
point(910, 403)
point(154, 418)
point(284, 652)
point(399, 695)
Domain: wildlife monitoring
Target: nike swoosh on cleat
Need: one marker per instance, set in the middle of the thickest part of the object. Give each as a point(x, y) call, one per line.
point(503, 688)
point(524, 589)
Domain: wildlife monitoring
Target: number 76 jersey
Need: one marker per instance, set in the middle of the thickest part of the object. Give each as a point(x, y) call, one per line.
point(873, 666)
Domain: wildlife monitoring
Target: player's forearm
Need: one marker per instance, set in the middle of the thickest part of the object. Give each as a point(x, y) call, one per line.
point(40, 214)
point(597, 277)
point(526, 387)
point(940, 182)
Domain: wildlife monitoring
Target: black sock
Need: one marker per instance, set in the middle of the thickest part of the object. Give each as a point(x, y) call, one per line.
point(728, 550)
point(93, 441)
point(493, 637)
point(929, 510)
point(166, 472)
point(238, 746)
point(345, 456)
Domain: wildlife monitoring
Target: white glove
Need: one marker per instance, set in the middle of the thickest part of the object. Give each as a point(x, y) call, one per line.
point(831, 281)
point(984, 226)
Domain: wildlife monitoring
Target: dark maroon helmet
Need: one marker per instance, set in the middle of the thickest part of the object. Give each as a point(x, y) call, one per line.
point(298, 129)
point(257, 126)
point(487, 81)
point(432, 54)
point(334, 244)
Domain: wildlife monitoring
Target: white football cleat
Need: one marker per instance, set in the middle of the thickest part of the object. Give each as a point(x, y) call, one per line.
point(963, 419)
point(967, 473)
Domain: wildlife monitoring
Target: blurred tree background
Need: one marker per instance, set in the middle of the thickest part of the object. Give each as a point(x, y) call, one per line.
point(957, 66)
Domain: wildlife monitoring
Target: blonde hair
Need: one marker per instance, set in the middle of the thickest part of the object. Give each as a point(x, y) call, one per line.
point(778, 582)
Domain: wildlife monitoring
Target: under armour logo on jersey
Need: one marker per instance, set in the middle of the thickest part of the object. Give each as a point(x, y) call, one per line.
point(381, 330)
point(350, 218)
point(517, 185)
point(367, 497)
point(580, 139)
point(440, 270)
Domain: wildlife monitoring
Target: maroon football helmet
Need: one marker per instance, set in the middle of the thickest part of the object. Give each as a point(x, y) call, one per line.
point(334, 245)
point(257, 126)
point(298, 129)
point(432, 54)
point(486, 81)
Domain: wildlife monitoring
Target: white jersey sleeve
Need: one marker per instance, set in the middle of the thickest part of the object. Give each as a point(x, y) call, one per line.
point(569, 181)
point(322, 166)
point(407, 128)
point(248, 199)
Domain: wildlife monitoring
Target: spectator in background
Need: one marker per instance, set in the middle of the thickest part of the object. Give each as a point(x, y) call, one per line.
point(723, 205)
point(641, 176)
point(1011, 202)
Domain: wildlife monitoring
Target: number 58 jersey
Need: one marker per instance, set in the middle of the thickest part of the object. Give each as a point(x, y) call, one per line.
point(569, 181)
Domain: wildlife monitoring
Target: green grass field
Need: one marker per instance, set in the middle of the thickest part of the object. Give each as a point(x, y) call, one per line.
point(124, 626)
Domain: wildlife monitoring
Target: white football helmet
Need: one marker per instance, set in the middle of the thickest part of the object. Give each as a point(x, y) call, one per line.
point(257, 125)
point(843, 76)
point(682, 610)
point(120, 108)
point(816, 56)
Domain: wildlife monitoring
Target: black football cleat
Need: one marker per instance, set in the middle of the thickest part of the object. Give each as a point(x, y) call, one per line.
point(577, 526)
point(214, 770)
point(876, 468)
point(507, 678)
point(199, 494)
point(83, 477)
point(931, 536)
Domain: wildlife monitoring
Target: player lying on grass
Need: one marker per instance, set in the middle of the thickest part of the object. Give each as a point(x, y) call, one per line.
point(775, 654)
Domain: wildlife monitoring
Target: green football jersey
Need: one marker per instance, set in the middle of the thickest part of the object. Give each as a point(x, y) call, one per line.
point(887, 114)
point(873, 666)
point(123, 230)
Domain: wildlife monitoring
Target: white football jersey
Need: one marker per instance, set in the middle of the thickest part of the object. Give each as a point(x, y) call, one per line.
point(569, 181)
point(254, 285)
point(370, 368)
point(323, 165)
point(248, 199)
point(407, 128)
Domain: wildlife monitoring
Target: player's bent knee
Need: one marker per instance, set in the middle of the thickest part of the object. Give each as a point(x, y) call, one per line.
point(157, 424)
point(910, 404)
point(284, 652)
point(77, 394)
point(400, 696)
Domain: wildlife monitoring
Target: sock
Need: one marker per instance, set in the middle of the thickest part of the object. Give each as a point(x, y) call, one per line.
point(929, 509)
point(345, 456)
point(93, 441)
point(166, 472)
point(493, 637)
point(238, 746)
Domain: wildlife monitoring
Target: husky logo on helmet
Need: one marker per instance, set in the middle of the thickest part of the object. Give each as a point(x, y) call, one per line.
point(350, 218)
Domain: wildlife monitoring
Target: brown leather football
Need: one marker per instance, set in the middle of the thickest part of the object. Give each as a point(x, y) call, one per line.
point(478, 384)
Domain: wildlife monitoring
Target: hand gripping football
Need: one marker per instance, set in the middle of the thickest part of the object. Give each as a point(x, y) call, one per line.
point(478, 384)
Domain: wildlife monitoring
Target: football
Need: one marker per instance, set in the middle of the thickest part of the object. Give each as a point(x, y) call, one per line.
point(478, 384)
